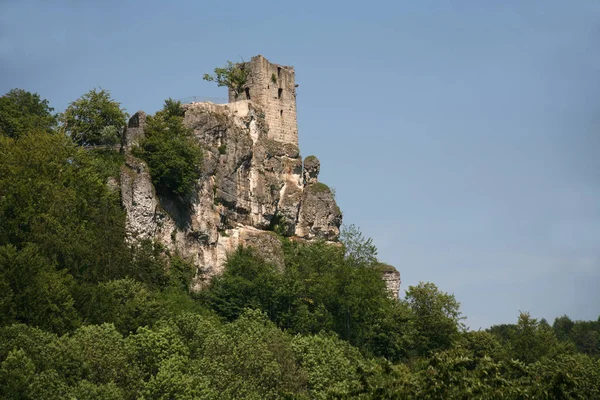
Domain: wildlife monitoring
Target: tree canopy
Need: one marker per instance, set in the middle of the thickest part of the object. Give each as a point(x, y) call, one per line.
point(94, 119)
point(22, 112)
point(173, 155)
point(233, 75)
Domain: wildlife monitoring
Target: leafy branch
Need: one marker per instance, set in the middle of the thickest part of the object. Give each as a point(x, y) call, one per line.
point(233, 75)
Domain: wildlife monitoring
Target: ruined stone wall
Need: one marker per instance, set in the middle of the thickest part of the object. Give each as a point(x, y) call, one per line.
point(133, 133)
point(273, 88)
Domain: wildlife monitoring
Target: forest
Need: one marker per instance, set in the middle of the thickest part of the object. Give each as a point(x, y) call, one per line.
point(87, 314)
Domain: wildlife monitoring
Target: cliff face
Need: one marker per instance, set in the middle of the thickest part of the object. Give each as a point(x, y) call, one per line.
point(250, 184)
point(253, 180)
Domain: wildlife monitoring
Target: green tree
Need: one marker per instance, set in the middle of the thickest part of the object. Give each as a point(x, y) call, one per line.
point(39, 345)
point(252, 358)
point(358, 249)
point(586, 337)
point(233, 75)
point(436, 319)
point(247, 282)
point(176, 380)
point(90, 390)
point(94, 118)
point(562, 327)
point(102, 355)
point(530, 340)
point(15, 374)
point(7, 307)
point(172, 153)
point(62, 204)
point(567, 376)
point(332, 365)
point(126, 303)
point(23, 112)
point(42, 295)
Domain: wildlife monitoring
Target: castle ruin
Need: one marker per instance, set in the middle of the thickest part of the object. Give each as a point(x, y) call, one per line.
point(253, 180)
point(272, 87)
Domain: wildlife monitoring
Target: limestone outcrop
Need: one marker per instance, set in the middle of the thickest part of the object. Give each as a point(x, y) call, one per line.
point(253, 180)
point(391, 277)
point(250, 184)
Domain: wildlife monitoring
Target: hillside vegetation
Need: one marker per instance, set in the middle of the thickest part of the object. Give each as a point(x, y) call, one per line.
point(84, 314)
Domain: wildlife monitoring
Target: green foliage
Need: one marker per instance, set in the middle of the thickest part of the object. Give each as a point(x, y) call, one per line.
point(319, 290)
point(106, 162)
point(15, 373)
point(173, 155)
point(530, 340)
point(23, 112)
point(38, 345)
point(85, 315)
point(102, 357)
point(89, 390)
point(61, 203)
point(252, 358)
point(436, 317)
point(358, 249)
point(585, 335)
point(333, 365)
point(41, 294)
point(126, 303)
point(562, 327)
point(94, 119)
point(180, 273)
point(233, 75)
point(247, 282)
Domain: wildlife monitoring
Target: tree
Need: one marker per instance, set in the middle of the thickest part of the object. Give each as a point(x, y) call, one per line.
point(53, 194)
point(530, 340)
point(15, 373)
point(358, 249)
point(42, 295)
point(562, 327)
point(436, 319)
point(23, 112)
point(173, 155)
point(126, 303)
point(586, 337)
point(94, 119)
point(233, 75)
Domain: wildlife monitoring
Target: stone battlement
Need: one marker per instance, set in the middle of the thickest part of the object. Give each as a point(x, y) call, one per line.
point(273, 88)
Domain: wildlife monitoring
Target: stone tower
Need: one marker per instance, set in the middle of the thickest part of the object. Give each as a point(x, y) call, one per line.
point(272, 87)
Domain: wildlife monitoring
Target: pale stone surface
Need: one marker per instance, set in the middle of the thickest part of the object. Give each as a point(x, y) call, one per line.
point(273, 88)
point(319, 216)
point(312, 166)
point(391, 277)
point(249, 183)
point(139, 199)
point(134, 131)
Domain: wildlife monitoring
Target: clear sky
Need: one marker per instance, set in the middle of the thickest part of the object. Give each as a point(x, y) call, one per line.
point(463, 136)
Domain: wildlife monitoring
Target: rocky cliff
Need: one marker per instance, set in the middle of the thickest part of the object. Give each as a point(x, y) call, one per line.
point(252, 184)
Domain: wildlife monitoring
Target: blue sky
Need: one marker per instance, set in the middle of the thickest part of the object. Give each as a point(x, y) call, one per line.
point(462, 136)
